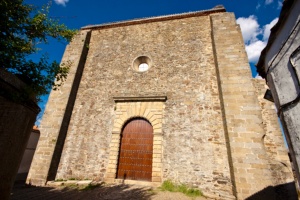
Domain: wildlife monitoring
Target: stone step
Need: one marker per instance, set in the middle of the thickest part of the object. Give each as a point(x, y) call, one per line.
point(68, 182)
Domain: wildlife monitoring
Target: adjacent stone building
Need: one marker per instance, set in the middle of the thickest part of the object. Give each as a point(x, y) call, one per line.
point(28, 155)
point(163, 98)
point(279, 64)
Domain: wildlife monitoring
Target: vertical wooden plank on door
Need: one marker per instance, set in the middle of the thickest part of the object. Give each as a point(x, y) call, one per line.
point(136, 149)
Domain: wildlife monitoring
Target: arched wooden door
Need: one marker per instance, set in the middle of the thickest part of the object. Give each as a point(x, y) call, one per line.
point(135, 156)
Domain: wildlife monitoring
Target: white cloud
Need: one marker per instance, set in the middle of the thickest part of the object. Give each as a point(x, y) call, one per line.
point(61, 2)
point(253, 50)
point(255, 37)
point(267, 29)
point(250, 28)
point(257, 6)
point(279, 5)
point(267, 2)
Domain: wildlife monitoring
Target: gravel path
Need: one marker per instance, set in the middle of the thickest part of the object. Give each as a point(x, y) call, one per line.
point(107, 192)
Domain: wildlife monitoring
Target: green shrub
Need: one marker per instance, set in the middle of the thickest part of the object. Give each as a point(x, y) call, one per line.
point(171, 187)
point(193, 192)
point(168, 186)
point(59, 180)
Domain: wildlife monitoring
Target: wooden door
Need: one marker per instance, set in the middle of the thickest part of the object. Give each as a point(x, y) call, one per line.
point(135, 156)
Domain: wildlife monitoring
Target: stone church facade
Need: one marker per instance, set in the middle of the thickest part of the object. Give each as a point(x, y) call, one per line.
point(184, 81)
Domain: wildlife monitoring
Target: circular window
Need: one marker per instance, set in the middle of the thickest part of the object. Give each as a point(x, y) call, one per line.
point(143, 67)
point(142, 64)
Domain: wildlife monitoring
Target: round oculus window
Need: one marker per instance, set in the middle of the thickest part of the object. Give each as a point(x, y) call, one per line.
point(141, 64)
point(143, 67)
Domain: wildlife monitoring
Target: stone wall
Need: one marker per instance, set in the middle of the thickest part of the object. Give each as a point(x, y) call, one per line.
point(182, 68)
point(57, 115)
point(277, 151)
point(279, 65)
point(17, 116)
point(197, 94)
point(241, 109)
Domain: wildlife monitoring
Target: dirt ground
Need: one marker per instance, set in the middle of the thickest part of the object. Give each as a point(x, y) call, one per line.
point(103, 192)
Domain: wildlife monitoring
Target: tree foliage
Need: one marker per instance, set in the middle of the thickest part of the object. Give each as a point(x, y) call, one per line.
point(23, 27)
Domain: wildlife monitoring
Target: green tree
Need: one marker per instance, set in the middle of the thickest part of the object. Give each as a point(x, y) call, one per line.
point(23, 27)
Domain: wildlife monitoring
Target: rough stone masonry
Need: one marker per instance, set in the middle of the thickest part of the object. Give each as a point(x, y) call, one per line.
point(211, 128)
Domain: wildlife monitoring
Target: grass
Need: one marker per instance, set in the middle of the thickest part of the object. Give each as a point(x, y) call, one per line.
point(172, 187)
point(59, 180)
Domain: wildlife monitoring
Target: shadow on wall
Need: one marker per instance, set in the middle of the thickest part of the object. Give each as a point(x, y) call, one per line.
point(279, 192)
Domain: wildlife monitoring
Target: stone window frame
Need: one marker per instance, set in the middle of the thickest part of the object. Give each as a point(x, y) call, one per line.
point(141, 60)
point(126, 108)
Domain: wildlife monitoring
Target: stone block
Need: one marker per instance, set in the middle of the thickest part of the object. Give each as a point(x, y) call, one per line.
point(156, 179)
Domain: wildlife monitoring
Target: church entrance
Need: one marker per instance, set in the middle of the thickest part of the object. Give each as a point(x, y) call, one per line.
point(136, 148)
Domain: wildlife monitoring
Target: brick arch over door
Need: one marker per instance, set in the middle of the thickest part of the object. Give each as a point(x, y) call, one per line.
point(124, 112)
point(136, 149)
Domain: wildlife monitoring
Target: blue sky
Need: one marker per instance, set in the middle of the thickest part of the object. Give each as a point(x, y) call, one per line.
point(255, 17)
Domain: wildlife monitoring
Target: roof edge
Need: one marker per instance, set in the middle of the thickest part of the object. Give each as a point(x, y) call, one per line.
point(216, 9)
point(287, 5)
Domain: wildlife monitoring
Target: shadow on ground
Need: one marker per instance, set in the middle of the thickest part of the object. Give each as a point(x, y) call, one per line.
point(25, 192)
point(279, 192)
